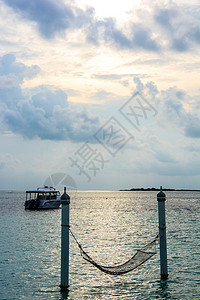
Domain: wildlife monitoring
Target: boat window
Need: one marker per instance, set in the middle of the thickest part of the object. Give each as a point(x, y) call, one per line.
point(40, 196)
point(53, 196)
point(48, 196)
point(30, 196)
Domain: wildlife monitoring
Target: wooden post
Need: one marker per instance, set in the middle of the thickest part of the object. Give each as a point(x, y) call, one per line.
point(65, 201)
point(162, 234)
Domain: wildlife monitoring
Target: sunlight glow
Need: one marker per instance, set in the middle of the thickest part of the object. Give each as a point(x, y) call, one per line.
point(111, 8)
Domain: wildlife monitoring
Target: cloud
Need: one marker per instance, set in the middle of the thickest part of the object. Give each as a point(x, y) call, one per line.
point(106, 30)
point(45, 116)
point(51, 16)
point(45, 112)
point(149, 164)
point(192, 129)
point(189, 168)
point(168, 27)
point(114, 35)
point(173, 110)
point(162, 150)
point(103, 95)
point(165, 28)
point(165, 157)
point(165, 16)
point(12, 73)
point(169, 160)
point(181, 30)
point(143, 39)
point(108, 76)
point(171, 104)
point(139, 84)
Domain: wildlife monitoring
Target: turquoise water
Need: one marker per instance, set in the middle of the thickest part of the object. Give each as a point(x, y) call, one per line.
point(111, 226)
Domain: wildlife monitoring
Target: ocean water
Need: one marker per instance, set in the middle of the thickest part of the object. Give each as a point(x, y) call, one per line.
point(111, 226)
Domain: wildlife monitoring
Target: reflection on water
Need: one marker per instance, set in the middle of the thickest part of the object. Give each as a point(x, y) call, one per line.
point(163, 290)
point(111, 226)
point(64, 294)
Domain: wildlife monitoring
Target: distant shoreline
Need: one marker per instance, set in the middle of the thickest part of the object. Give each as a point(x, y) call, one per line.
point(155, 189)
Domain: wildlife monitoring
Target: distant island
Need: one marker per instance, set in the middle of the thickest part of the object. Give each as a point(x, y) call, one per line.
point(156, 189)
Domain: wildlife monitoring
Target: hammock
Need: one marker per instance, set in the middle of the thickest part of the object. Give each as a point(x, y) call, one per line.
point(135, 261)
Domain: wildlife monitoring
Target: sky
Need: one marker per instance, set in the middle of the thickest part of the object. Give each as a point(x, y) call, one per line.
point(99, 95)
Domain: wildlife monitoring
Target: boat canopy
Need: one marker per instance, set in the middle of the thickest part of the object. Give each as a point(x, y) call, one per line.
point(44, 190)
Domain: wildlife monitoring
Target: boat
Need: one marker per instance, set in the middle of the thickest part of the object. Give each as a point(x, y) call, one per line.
point(42, 198)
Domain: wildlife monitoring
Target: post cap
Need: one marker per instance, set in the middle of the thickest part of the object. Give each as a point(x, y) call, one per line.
point(65, 198)
point(161, 195)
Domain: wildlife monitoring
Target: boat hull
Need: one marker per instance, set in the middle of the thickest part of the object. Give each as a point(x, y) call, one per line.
point(39, 205)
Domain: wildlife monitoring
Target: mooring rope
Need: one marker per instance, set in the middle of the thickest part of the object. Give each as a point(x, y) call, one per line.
point(79, 245)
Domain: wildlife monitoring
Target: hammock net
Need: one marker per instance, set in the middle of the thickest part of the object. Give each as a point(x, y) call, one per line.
point(135, 261)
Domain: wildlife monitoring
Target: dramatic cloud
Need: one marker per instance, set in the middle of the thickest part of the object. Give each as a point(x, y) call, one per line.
point(163, 29)
point(106, 30)
point(143, 38)
point(181, 30)
point(51, 16)
point(45, 114)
